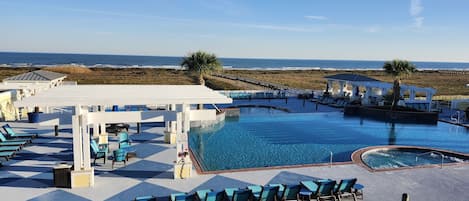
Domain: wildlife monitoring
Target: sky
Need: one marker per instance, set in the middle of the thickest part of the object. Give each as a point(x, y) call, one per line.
point(417, 30)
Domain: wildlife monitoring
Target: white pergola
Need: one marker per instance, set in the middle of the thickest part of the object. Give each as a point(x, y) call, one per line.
point(90, 100)
point(370, 84)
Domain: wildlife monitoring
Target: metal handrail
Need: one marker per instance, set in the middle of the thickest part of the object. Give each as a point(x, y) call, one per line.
point(430, 152)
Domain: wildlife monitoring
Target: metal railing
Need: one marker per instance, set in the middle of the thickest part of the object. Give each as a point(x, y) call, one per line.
point(430, 152)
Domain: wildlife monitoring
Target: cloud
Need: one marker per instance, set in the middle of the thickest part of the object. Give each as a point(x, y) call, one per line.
point(416, 9)
point(418, 22)
point(315, 17)
point(373, 29)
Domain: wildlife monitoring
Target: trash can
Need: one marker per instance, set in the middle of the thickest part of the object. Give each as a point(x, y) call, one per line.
point(62, 177)
point(33, 117)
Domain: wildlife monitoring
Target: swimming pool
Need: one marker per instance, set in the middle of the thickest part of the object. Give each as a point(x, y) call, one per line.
point(265, 139)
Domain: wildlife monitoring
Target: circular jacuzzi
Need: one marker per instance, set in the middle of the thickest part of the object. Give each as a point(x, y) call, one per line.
point(382, 158)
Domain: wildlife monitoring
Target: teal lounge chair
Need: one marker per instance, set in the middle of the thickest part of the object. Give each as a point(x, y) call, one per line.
point(9, 130)
point(119, 155)
point(212, 196)
point(16, 139)
point(3, 139)
point(145, 198)
point(266, 193)
point(10, 148)
point(7, 154)
point(124, 140)
point(281, 188)
point(202, 194)
point(183, 197)
point(229, 192)
point(21, 144)
point(242, 195)
point(96, 152)
point(321, 189)
point(290, 192)
point(345, 188)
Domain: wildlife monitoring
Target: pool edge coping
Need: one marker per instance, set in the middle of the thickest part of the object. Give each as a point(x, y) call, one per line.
point(357, 157)
point(200, 171)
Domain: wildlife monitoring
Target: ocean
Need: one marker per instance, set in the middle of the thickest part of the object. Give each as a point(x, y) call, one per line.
point(9, 59)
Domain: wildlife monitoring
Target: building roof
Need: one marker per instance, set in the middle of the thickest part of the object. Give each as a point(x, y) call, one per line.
point(351, 77)
point(38, 75)
point(124, 95)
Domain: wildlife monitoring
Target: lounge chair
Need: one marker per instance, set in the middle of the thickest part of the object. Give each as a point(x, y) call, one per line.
point(119, 155)
point(9, 130)
point(229, 192)
point(241, 195)
point(4, 139)
point(145, 198)
point(321, 189)
point(21, 144)
point(266, 193)
point(97, 153)
point(288, 192)
point(10, 148)
point(183, 197)
point(345, 188)
point(7, 154)
point(209, 195)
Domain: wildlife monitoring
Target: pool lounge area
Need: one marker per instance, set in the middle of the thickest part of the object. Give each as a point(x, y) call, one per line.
point(28, 175)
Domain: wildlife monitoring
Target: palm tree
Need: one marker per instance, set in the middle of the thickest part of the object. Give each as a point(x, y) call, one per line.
point(398, 68)
point(201, 63)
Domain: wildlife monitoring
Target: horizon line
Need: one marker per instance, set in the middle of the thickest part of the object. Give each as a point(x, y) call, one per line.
point(222, 57)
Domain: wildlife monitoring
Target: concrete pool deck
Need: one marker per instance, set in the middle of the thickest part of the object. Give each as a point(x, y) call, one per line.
point(28, 176)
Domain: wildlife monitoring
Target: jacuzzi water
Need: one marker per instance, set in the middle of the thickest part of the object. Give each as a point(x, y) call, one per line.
point(396, 158)
point(263, 137)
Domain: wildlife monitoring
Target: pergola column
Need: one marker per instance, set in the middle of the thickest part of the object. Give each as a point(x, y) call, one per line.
point(102, 108)
point(330, 89)
point(82, 174)
point(341, 88)
point(367, 94)
point(412, 94)
point(170, 127)
point(183, 166)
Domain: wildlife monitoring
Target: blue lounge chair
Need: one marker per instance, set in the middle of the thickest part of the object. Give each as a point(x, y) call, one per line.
point(9, 130)
point(345, 188)
point(209, 195)
point(145, 198)
point(242, 195)
point(7, 154)
point(124, 140)
point(183, 197)
point(321, 189)
point(4, 139)
point(10, 148)
point(266, 193)
point(289, 192)
point(96, 152)
point(119, 155)
point(229, 192)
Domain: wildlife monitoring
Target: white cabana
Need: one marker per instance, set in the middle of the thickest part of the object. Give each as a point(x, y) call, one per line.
point(88, 98)
point(375, 88)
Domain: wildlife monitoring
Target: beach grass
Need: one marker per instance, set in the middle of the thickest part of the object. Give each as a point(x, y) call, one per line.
point(447, 83)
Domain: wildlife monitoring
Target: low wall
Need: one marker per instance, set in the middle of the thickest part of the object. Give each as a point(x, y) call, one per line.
point(202, 124)
point(392, 116)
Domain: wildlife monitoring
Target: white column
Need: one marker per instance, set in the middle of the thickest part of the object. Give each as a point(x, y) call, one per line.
point(170, 127)
point(330, 88)
point(102, 125)
point(368, 94)
point(82, 174)
point(412, 94)
point(341, 88)
point(183, 166)
point(77, 140)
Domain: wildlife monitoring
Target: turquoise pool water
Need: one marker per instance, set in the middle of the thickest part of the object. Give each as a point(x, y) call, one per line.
point(396, 158)
point(263, 137)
